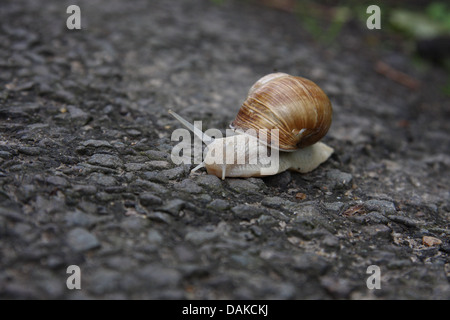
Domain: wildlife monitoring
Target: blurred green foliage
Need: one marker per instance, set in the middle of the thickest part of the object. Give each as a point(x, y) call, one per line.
point(324, 20)
point(322, 26)
point(440, 12)
point(434, 21)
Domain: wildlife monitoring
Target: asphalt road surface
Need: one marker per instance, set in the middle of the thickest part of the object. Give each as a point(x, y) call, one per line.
point(87, 180)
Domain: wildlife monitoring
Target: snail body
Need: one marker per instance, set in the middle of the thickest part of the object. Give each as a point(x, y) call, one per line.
point(296, 107)
point(302, 160)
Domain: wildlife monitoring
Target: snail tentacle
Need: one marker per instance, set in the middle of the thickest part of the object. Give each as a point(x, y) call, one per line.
point(199, 133)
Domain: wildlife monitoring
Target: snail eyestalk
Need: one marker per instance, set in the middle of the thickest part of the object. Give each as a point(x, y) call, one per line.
point(201, 165)
point(204, 137)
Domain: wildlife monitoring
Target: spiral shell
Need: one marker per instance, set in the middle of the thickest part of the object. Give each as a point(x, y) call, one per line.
point(296, 106)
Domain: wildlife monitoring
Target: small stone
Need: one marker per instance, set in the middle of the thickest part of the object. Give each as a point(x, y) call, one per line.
point(105, 160)
point(67, 97)
point(27, 191)
point(157, 155)
point(257, 181)
point(133, 223)
point(5, 155)
point(267, 221)
point(96, 143)
point(338, 179)
point(134, 166)
point(149, 199)
point(383, 206)
point(185, 252)
point(25, 231)
point(338, 288)
point(80, 219)
point(398, 264)
point(20, 87)
point(85, 189)
point(57, 181)
point(273, 202)
point(21, 290)
point(129, 177)
point(189, 186)
point(159, 276)
point(279, 216)
point(104, 281)
point(204, 198)
point(245, 211)
point(242, 186)
point(155, 176)
point(157, 164)
point(102, 179)
point(199, 237)
point(115, 189)
point(378, 230)
point(280, 180)
point(159, 217)
point(90, 146)
point(87, 168)
point(30, 151)
point(257, 231)
point(308, 210)
point(330, 241)
point(446, 248)
point(403, 220)
point(376, 217)
point(82, 240)
point(431, 241)
point(141, 145)
point(77, 113)
point(154, 237)
point(37, 126)
point(87, 206)
point(147, 185)
point(219, 204)
point(175, 173)
point(311, 264)
point(334, 207)
point(209, 182)
point(173, 206)
point(54, 261)
point(134, 132)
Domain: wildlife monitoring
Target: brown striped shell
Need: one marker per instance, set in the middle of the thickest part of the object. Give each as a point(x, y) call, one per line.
point(296, 106)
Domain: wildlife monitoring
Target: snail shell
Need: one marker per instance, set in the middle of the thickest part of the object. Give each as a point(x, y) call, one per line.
point(296, 106)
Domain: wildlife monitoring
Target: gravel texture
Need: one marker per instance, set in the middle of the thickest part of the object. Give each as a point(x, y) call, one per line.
point(86, 176)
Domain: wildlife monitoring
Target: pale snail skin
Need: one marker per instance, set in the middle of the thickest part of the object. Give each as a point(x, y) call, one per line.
point(296, 106)
point(302, 160)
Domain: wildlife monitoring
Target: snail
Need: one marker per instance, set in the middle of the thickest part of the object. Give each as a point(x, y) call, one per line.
point(291, 112)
